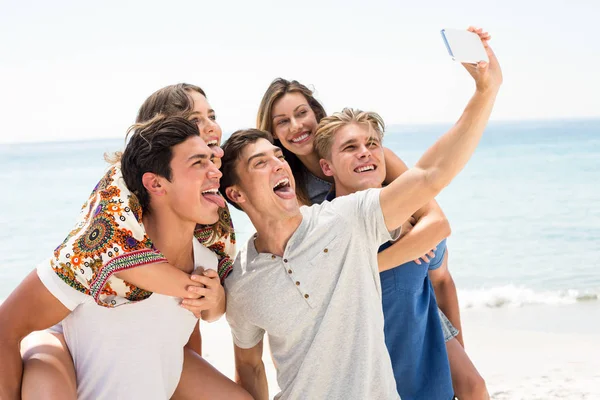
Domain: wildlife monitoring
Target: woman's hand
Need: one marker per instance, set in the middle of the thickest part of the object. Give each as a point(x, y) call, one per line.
point(211, 293)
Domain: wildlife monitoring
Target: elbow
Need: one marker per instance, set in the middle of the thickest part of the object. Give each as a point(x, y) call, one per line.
point(443, 227)
point(434, 181)
point(443, 284)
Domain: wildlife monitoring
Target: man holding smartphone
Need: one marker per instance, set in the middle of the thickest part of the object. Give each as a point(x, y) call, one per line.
point(309, 277)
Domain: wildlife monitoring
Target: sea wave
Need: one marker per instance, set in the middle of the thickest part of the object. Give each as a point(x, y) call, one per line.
point(520, 296)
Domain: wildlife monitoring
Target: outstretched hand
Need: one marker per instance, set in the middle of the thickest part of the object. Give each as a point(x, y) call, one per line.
point(487, 75)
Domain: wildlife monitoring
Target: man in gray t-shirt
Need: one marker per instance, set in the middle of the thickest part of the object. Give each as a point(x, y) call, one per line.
point(309, 277)
point(320, 302)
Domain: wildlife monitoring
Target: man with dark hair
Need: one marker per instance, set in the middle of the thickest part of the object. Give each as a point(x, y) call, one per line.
point(137, 350)
point(309, 277)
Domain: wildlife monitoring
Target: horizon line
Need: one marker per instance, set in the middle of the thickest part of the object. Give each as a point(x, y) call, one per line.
point(413, 124)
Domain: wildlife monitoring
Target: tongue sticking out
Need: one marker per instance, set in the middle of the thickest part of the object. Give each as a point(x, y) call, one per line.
point(215, 198)
point(285, 192)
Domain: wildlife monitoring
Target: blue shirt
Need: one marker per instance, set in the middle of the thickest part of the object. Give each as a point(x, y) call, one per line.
point(413, 332)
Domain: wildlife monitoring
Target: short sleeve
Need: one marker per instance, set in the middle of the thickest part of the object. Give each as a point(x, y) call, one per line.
point(440, 251)
point(69, 296)
point(245, 335)
point(363, 211)
point(108, 237)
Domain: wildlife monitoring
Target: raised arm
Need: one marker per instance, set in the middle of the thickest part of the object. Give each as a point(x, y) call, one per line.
point(448, 156)
point(30, 307)
point(431, 226)
point(250, 371)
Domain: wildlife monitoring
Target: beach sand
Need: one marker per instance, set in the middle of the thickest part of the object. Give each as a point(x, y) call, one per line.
point(534, 352)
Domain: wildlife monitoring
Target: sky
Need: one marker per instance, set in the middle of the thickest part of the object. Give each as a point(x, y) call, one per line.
point(76, 70)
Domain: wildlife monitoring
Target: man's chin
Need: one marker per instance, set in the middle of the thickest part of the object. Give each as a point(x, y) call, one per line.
point(208, 220)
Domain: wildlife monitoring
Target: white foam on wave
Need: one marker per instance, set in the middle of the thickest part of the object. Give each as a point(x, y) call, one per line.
point(519, 296)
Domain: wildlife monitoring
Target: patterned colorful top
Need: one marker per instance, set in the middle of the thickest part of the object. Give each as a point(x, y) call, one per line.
point(109, 237)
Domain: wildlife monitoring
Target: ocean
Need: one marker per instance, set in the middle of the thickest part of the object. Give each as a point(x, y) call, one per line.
point(524, 213)
point(524, 250)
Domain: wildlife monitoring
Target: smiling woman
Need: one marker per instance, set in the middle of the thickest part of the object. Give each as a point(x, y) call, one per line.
point(293, 116)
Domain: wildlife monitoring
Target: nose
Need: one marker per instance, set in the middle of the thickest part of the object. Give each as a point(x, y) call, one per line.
point(295, 125)
point(278, 164)
point(209, 126)
point(363, 151)
point(214, 173)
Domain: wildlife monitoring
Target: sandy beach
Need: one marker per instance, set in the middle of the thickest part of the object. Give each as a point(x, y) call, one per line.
point(534, 352)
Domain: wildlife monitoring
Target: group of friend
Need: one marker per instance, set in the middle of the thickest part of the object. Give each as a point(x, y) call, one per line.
point(347, 273)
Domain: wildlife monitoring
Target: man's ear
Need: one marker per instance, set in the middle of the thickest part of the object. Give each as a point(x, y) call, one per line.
point(234, 194)
point(152, 183)
point(326, 167)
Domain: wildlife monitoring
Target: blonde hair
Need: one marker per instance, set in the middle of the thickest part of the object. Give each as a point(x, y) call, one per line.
point(330, 125)
point(264, 121)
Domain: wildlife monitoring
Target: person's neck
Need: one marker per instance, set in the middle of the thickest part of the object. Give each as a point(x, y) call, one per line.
point(172, 237)
point(311, 163)
point(273, 234)
point(341, 190)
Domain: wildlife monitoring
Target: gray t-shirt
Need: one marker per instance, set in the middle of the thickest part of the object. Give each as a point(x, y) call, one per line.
point(320, 303)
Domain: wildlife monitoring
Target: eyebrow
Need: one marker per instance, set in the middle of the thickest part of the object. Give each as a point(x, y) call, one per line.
point(276, 151)
point(355, 140)
point(347, 142)
point(198, 157)
point(252, 157)
point(210, 111)
point(282, 115)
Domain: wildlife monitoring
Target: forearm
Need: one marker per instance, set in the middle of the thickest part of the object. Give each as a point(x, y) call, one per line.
point(447, 300)
point(162, 278)
point(216, 312)
point(253, 378)
point(448, 156)
point(11, 369)
point(426, 234)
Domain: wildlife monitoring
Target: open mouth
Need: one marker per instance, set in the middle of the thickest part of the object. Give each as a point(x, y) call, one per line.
point(365, 168)
point(300, 138)
point(214, 196)
point(283, 189)
point(211, 143)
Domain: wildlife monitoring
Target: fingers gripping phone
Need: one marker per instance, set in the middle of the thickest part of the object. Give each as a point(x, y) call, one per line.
point(464, 46)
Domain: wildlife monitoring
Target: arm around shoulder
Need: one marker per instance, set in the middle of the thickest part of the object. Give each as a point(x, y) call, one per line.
point(162, 278)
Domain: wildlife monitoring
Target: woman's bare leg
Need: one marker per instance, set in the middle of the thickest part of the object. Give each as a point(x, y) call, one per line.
point(48, 371)
point(200, 380)
point(467, 383)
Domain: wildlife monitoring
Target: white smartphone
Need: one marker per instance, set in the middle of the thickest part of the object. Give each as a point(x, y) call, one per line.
point(464, 46)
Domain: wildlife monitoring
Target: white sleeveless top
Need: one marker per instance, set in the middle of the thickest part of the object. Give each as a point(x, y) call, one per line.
point(130, 352)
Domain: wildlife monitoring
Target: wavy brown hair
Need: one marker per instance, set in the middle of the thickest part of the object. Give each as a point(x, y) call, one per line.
point(264, 121)
point(174, 101)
